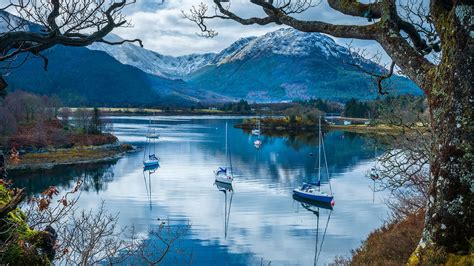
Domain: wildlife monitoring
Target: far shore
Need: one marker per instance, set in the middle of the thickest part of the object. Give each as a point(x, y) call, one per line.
point(174, 112)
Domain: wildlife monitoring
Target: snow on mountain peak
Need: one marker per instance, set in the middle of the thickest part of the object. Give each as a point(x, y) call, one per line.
point(291, 42)
point(284, 41)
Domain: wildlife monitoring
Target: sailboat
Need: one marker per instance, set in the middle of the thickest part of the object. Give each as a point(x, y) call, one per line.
point(256, 131)
point(149, 154)
point(315, 207)
point(224, 174)
point(312, 191)
point(152, 134)
point(226, 188)
point(257, 143)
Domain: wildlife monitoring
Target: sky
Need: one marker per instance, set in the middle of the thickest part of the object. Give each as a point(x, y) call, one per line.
point(163, 28)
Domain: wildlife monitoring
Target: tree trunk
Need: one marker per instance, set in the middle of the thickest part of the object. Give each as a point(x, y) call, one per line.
point(449, 221)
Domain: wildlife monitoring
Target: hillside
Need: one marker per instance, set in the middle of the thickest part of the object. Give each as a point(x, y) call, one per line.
point(282, 65)
point(287, 64)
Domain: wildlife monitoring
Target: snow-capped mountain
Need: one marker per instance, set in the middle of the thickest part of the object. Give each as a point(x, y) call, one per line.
point(164, 65)
point(290, 42)
point(286, 42)
point(282, 65)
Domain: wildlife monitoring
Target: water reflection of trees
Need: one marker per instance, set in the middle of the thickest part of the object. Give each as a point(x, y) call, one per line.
point(278, 154)
point(95, 177)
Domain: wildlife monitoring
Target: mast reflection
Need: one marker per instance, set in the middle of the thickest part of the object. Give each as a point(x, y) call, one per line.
point(148, 172)
point(226, 188)
point(315, 207)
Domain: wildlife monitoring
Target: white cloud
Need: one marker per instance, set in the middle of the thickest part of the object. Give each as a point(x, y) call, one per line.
point(163, 28)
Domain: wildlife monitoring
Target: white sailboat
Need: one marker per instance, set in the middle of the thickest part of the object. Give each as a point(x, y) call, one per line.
point(224, 174)
point(149, 154)
point(152, 134)
point(312, 191)
point(257, 143)
point(256, 131)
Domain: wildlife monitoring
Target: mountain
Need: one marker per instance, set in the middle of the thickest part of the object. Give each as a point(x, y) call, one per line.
point(287, 64)
point(282, 65)
point(163, 65)
point(81, 76)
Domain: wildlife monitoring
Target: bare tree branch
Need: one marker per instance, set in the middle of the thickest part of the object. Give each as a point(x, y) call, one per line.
point(42, 24)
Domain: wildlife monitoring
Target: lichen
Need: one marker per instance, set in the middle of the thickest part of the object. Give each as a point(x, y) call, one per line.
point(21, 245)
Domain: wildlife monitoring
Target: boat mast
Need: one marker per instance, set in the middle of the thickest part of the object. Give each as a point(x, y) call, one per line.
point(319, 155)
point(226, 153)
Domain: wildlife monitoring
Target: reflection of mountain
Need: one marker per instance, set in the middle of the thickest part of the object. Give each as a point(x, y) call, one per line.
point(263, 214)
point(280, 155)
point(94, 176)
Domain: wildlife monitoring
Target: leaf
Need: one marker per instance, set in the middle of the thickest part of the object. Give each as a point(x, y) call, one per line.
point(43, 204)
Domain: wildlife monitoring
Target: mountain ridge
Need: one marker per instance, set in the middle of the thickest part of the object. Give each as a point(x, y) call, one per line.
point(281, 65)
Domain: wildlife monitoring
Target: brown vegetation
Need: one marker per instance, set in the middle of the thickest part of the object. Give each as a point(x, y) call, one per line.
point(31, 122)
point(392, 244)
point(53, 134)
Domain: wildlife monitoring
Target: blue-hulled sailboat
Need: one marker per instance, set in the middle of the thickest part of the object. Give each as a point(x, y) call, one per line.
point(312, 191)
point(224, 174)
point(149, 154)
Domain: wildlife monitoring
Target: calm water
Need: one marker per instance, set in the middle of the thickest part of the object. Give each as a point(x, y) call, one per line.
point(264, 221)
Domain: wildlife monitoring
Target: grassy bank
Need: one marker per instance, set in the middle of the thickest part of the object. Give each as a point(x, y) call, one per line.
point(77, 155)
point(371, 129)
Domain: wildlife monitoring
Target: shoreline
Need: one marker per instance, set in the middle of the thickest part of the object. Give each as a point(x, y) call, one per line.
point(364, 129)
point(73, 156)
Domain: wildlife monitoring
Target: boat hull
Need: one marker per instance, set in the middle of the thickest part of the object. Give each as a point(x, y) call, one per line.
point(318, 204)
point(312, 196)
point(224, 186)
point(151, 163)
point(224, 179)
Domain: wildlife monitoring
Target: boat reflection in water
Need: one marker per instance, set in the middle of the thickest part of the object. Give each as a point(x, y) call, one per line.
point(148, 171)
point(226, 188)
point(315, 207)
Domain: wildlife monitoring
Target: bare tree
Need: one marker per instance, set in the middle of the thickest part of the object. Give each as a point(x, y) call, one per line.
point(411, 38)
point(42, 24)
point(64, 115)
point(83, 118)
point(7, 126)
point(163, 241)
point(89, 237)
